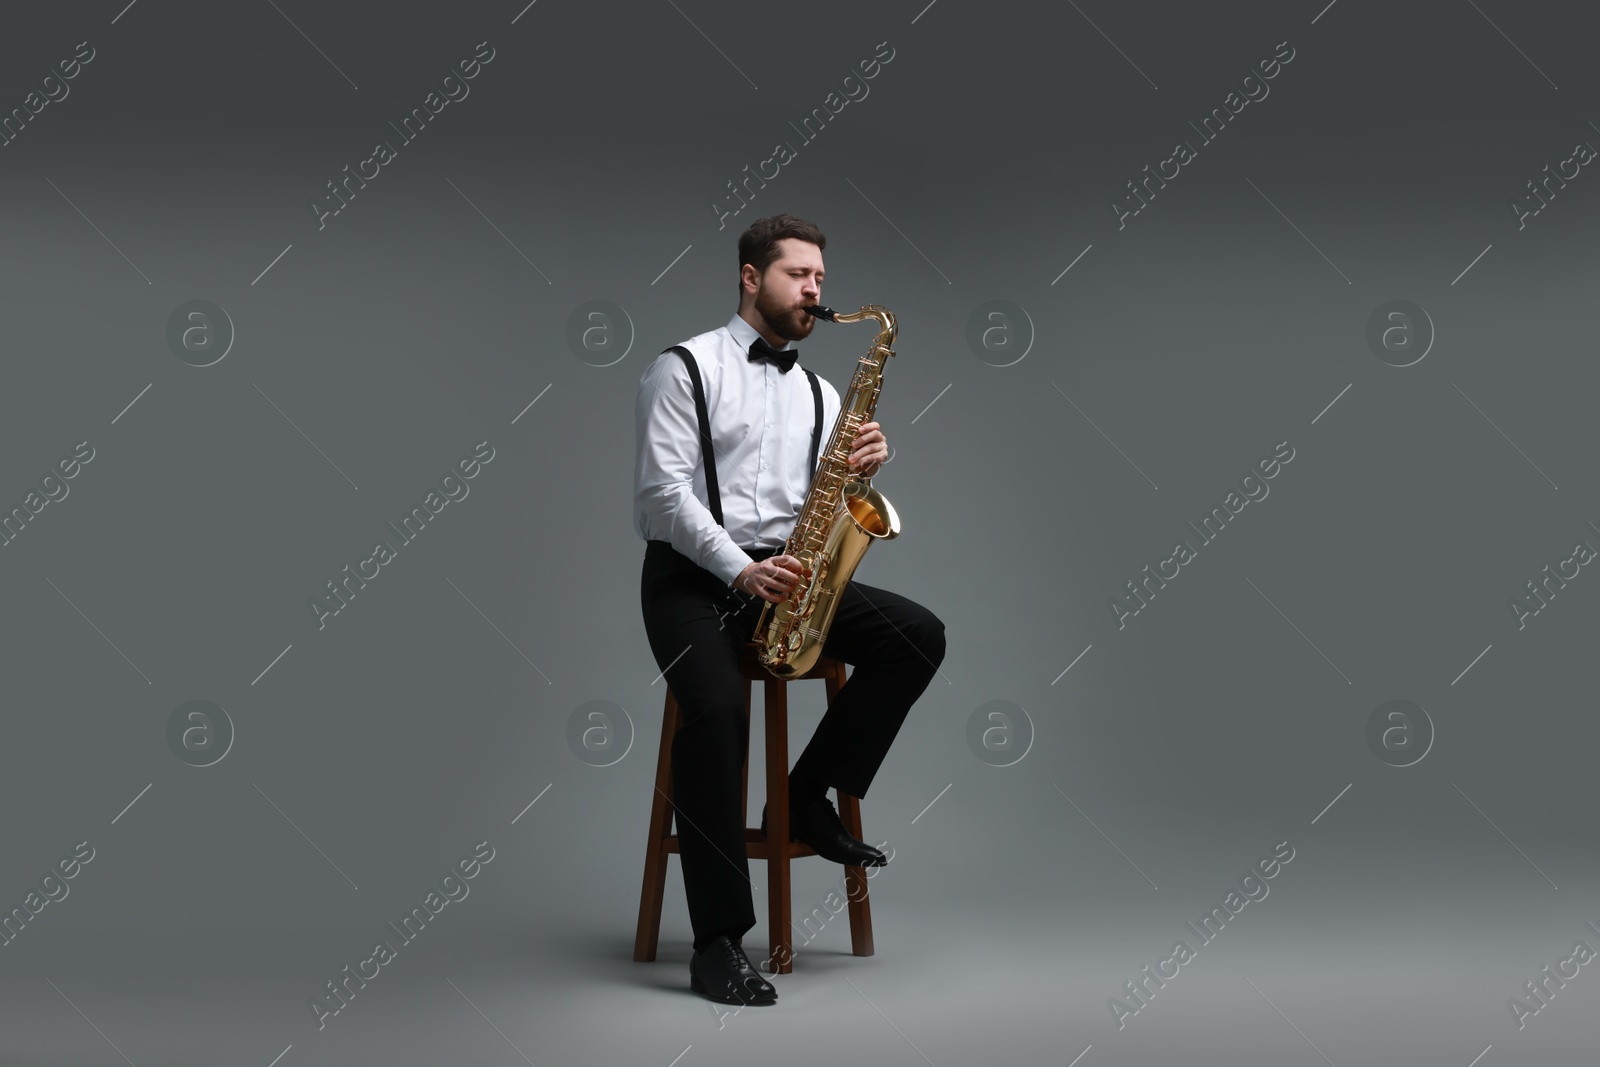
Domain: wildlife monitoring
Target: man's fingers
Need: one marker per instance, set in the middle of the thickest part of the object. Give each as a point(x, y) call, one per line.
point(785, 577)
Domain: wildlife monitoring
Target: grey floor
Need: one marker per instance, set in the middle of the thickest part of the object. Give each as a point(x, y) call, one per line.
point(1353, 957)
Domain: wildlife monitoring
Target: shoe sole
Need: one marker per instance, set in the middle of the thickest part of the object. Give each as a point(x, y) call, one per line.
point(852, 863)
point(697, 986)
point(867, 863)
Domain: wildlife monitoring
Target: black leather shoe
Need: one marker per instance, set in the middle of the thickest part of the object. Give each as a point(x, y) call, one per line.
point(722, 972)
point(817, 823)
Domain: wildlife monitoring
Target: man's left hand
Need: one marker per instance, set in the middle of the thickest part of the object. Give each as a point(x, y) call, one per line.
point(869, 451)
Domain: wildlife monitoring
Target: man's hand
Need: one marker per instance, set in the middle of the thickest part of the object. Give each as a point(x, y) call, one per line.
point(869, 451)
point(771, 579)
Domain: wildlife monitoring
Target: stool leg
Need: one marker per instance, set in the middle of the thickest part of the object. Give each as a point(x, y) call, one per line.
point(744, 771)
point(855, 878)
point(777, 744)
point(655, 855)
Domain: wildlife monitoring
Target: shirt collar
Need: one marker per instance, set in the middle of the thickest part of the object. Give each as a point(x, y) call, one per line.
point(745, 334)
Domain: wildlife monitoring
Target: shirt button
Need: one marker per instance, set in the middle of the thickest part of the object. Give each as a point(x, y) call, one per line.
point(763, 466)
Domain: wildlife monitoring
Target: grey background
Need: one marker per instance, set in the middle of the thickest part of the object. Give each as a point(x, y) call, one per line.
point(1176, 351)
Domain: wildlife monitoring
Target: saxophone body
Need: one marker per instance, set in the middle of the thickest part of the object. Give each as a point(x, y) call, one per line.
point(842, 516)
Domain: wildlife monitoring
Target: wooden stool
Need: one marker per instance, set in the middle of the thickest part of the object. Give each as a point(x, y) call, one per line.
point(774, 846)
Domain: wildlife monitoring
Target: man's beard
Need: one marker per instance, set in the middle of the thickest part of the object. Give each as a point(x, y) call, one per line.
point(790, 323)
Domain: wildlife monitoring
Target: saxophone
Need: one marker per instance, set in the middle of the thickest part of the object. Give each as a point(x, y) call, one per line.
point(841, 518)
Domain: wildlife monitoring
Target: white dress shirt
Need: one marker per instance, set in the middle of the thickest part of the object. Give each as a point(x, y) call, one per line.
point(761, 421)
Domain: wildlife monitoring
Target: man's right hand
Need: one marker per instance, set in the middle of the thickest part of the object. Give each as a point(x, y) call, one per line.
point(771, 579)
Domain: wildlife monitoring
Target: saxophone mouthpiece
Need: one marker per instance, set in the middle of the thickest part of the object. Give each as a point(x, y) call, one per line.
point(820, 311)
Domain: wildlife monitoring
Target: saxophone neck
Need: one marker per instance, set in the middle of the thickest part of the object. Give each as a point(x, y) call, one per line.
point(887, 327)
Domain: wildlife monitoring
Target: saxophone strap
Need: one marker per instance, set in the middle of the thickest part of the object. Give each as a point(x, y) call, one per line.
point(707, 450)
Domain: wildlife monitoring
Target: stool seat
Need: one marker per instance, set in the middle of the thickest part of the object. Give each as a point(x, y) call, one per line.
point(773, 845)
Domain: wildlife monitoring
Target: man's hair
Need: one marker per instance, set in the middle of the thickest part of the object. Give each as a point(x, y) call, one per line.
point(758, 245)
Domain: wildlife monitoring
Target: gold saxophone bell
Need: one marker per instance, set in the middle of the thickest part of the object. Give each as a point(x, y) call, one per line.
point(841, 518)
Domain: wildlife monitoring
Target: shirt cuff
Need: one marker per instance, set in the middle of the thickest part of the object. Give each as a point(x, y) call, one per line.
point(728, 561)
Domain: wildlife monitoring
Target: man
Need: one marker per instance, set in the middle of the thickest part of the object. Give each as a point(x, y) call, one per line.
point(716, 524)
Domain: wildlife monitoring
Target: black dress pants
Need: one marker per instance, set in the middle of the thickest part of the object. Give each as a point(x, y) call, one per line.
point(696, 625)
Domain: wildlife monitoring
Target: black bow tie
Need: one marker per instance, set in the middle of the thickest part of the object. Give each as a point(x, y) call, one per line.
point(759, 349)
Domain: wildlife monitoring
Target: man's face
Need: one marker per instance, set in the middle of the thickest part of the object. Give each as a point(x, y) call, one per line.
point(793, 281)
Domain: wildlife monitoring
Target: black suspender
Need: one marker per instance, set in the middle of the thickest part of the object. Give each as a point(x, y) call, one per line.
point(816, 425)
point(707, 451)
point(706, 448)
